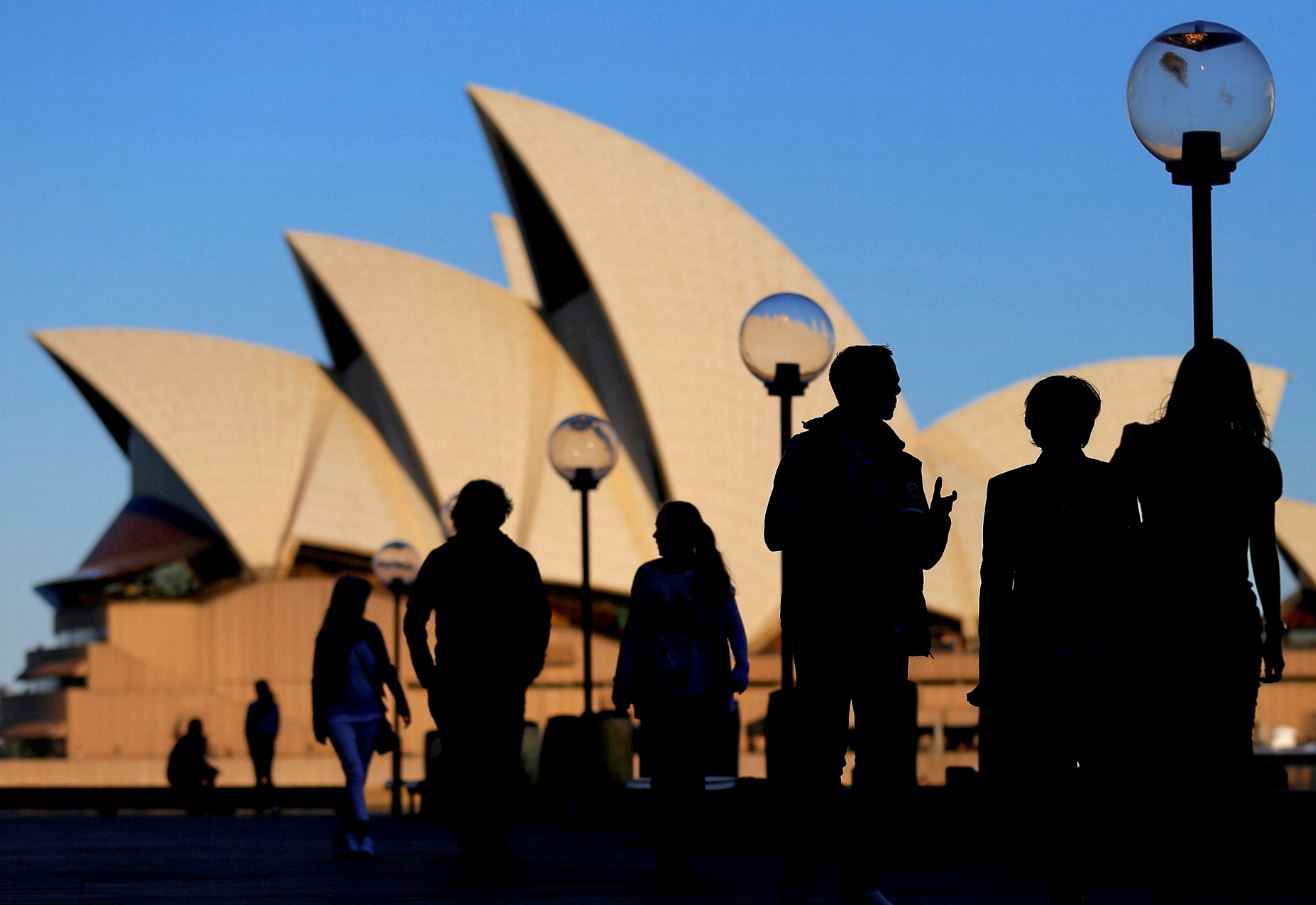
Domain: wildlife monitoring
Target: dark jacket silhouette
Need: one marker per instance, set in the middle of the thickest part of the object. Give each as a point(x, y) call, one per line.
point(491, 624)
point(1055, 566)
point(849, 508)
point(491, 617)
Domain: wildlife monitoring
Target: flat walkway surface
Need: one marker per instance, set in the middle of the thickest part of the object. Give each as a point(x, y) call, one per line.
point(158, 858)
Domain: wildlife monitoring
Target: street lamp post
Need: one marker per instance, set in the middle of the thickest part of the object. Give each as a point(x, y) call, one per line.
point(395, 564)
point(583, 449)
point(1200, 98)
point(786, 340)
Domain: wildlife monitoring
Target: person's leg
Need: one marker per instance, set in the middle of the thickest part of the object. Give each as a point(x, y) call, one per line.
point(675, 730)
point(886, 738)
point(821, 730)
point(349, 738)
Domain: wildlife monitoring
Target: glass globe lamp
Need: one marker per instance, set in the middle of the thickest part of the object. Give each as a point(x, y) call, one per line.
point(1200, 77)
point(786, 329)
point(396, 560)
point(583, 442)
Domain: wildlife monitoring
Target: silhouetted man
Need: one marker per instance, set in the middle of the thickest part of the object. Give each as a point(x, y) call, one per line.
point(491, 623)
point(1055, 571)
point(849, 513)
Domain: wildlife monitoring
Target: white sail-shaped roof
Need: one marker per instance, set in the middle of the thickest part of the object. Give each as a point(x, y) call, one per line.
point(263, 439)
point(479, 383)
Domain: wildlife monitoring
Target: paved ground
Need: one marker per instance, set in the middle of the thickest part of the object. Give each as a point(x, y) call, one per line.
point(157, 858)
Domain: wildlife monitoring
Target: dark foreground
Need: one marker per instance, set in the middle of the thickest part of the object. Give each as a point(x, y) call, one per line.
point(156, 858)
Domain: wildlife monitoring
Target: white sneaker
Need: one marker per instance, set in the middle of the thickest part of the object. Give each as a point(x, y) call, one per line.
point(366, 847)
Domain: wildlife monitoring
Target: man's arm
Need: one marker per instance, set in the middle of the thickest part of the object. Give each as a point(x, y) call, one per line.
point(797, 508)
point(540, 624)
point(415, 625)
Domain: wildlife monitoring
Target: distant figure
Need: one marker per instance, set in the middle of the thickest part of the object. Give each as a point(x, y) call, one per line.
point(849, 513)
point(190, 775)
point(491, 622)
point(262, 726)
point(348, 676)
point(683, 655)
point(1207, 482)
point(1055, 566)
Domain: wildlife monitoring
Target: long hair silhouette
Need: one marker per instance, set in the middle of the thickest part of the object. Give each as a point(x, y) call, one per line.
point(680, 525)
point(1213, 393)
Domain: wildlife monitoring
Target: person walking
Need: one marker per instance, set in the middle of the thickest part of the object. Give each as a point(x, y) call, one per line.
point(1207, 482)
point(856, 531)
point(683, 656)
point(261, 729)
point(349, 673)
point(491, 624)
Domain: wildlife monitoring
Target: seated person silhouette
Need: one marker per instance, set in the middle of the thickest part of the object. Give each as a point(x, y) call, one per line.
point(1054, 539)
point(188, 772)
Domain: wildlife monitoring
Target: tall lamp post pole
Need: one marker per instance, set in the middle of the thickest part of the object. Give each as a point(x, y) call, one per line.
point(395, 565)
point(1200, 99)
point(786, 340)
point(583, 449)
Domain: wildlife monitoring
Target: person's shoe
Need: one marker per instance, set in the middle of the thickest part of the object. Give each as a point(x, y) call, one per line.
point(348, 843)
point(366, 847)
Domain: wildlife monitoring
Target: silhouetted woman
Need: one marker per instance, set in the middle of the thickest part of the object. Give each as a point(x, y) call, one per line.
point(262, 727)
point(348, 677)
point(683, 656)
point(1054, 565)
point(1207, 483)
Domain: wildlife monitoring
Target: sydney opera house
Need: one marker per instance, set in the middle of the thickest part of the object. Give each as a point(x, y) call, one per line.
point(257, 475)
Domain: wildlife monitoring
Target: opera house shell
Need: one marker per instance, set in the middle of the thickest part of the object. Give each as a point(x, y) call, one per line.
point(259, 475)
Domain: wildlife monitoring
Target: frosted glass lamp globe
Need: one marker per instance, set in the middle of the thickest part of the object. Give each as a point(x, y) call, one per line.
point(583, 441)
point(396, 560)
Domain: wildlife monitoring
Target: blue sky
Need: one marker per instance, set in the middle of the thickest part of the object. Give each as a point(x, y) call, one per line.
point(961, 175)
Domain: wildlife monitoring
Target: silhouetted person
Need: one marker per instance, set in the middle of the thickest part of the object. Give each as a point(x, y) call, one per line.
point(849, 513)
point(676, 666)
point(1055, 568)
point(1207, 483)
point(491, 622)
point(190, 775)
point(262, 727)
point(348, 677)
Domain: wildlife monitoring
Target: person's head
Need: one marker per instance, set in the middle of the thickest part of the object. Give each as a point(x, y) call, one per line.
point(263, 692)
point(1213, 390)
point(864, 380)
point(481, 506)
point(194, 728)
point(347, 604)
point(684, 536)
point(680, 531)
point(1060, 412)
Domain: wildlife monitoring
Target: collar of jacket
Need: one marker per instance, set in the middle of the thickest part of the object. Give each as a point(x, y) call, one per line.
point(869, 434)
